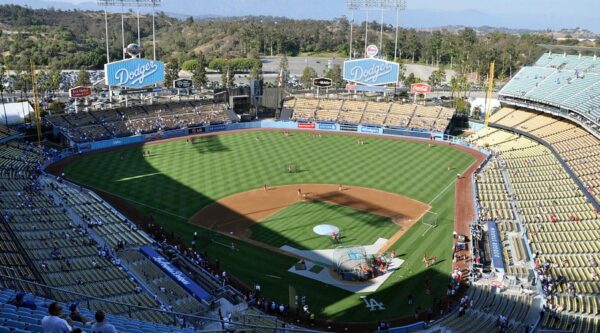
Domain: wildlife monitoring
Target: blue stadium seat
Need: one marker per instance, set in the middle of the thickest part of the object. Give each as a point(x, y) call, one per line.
point(15, 324)
point(35, 328)
point(12, 316)
point(29, 319)
point(4, 329)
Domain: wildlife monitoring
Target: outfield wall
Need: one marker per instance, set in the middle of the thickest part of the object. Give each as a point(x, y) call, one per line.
point(291, 125)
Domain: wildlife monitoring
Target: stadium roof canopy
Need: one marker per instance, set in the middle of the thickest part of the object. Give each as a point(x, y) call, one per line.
point(565, 48)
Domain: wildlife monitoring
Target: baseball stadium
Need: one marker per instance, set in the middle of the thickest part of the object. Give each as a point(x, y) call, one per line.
point(375, 205)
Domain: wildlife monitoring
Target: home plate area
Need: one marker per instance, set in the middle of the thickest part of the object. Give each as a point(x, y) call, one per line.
point(353, 268)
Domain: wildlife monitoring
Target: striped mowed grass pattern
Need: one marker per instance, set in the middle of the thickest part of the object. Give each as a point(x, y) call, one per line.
point(178, 179)
point(293, 226)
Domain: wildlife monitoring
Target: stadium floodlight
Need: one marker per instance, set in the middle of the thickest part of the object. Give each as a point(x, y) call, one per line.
point(123, 4)
point(134, 3)
point(382, 5)
point(379, 4)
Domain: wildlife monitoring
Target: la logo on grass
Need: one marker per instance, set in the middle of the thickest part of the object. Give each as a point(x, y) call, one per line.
point(372, 304)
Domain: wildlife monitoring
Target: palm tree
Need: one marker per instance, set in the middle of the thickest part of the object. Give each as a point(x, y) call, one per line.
point(2, 94)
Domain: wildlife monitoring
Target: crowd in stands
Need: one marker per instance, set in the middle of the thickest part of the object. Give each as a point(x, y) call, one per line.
point(420, 117)
point(105, 124)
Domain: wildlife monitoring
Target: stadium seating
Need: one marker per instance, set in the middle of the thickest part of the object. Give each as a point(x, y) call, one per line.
point(13, 319)
point(565, 81)
point(105, 124)
point(67, 237)
point(426, 118)
point(6, 132)
point(488, 306)
point(577, 147)
point(562, 226)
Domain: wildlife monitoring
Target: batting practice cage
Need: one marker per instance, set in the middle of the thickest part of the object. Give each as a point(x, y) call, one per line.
point(351, 262)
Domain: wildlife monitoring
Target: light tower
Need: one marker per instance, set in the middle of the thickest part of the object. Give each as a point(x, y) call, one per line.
point(382, 5)
point(128, 3)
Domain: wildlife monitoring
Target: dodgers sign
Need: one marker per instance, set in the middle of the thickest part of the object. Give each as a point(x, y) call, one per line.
point(134, 73)
point(371, 72)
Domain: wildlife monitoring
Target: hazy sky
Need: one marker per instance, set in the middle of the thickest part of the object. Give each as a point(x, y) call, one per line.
point(533, 14)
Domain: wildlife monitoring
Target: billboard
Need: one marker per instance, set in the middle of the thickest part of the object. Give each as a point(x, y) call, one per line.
point(134, 73)
point(371, 72)
point(79, 92)
point(420, 88)
point(183, 84)
point(322, 82)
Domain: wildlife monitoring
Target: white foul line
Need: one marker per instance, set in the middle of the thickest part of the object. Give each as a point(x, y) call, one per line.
point(441, 192)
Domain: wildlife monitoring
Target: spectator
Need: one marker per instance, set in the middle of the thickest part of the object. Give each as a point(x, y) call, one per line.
point(101, 326)
point(53, 323)
point(21, 303)
point(76, 315)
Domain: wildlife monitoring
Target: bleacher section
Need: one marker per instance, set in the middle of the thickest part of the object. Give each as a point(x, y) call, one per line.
point(560, 223)
point(105, 124)
point(565, 81)
point(428, 118)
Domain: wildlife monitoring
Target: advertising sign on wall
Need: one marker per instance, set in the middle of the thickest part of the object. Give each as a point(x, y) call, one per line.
point(79, 92)
point(306, 125)
point(371, 72)
point(134, 73)
point(327, 126)
point(420, 88)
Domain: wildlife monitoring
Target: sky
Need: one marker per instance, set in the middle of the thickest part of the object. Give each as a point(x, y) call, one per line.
point(527, 14)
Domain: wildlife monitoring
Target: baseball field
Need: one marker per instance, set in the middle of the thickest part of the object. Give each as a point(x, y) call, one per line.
point(215, 186)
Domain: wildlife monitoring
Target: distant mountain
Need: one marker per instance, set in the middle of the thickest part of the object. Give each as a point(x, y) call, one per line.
point(515, 22)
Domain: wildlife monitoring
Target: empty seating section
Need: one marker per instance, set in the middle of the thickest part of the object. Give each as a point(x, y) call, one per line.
point(567, 81)
point(70, 239)
point(105, 124)
point(328, 110)
point(112, 226)
point(304, 109)
point(562, 226)
point(429, 118)
point(352, 112)
point(514, 118)
point(400, 115)
point(375, 113)
point(13, 319)
point(577, 147)
point(487, 306)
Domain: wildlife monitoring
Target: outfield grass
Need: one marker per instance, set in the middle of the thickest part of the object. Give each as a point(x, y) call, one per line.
point(179, 179)
point(296, 223)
